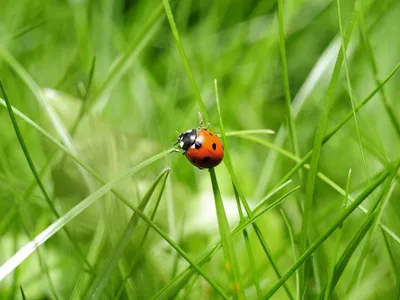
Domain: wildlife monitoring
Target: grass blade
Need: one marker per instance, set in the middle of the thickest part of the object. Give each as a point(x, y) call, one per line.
point(22, 292)
point(249, 249)
point(60, 223)
point(181, 279)
point(288, 99)
point(374, 67)
point(185, 62)
point(338, 237)
point(231, 262)
point(255, 216)
point(102, 279)
point(36, 175)
point(291, 236)
point(318, 141)
point(360, 266)
point(353, 107)
point(356, 240)
point(323, 177)
point(142, 242)
point(123, 64)
point(306, 255)
point(228, 163)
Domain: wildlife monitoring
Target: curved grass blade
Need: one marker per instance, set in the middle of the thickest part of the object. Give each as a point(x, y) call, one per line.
point(231, 262)
point(306, 255)
point(185, 62)
point(322, 66)
point(374, 67)
point(36, 175)
point(317, 145)
point(340, 125)
point(291, 236)
point(288, 99)
point(360, 266)
point(356, 240)
point(22, 292)
point(246, 206)
point(143, 240)
point(249, 249)
point(102, 279)
point(60, 223)
point(248, 221)
point(323, 177)
point(31, 84)
point(346, 67)
point(338, 237)
point(180, 280)
point(123, 64)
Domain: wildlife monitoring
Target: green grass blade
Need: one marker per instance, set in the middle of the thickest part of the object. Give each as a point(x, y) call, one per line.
point(358, 237)
point(374, 67)
point(392, 256)
point(347, 254)
point(323, 177)
point(288, 99)
point(231, 262)
point(143, 240)
point(360, 266)
point(28, 29)
point(361, 104)
point(318, 141)
point(228, 163)
point(319, 69)
point(185, 62)
point(123, 64)
point(22, 292)
point(306, 255)
point(104, 276)
point(353, 106)
point(248, 247)
point(256, 215)
point(291, 236)
point(36, 174)
point(182, 278)
point(60, 223)
point(31, 84)
point(338, 237)
point(340, 125)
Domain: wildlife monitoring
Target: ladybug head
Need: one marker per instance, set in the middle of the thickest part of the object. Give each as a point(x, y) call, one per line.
point(187, 139)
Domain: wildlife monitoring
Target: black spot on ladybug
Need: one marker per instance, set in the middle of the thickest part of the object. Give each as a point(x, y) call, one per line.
point(214, 146)
point(197, 145)
point(210, 133)
point(223, 147)
point(207, 158)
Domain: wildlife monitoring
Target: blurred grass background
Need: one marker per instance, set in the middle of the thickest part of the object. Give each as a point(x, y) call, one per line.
point(140, 96)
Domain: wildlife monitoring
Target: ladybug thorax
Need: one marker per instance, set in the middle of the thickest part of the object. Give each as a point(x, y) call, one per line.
point(187, 139)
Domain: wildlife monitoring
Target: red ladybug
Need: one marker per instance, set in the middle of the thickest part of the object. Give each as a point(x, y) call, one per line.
point(201, 147)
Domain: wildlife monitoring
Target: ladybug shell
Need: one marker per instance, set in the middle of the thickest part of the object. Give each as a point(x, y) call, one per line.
point(207, 151)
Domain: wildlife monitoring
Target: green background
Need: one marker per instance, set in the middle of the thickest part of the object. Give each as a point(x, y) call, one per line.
point(140, 96)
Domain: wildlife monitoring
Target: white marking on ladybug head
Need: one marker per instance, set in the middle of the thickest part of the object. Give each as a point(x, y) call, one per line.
point(200, 139)
point(181, 143)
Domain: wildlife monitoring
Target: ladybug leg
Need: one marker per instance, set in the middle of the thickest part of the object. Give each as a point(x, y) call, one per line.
point(177, 150)
point(208, 125)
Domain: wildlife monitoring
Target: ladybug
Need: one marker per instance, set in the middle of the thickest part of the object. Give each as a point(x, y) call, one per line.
point(201, 147)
